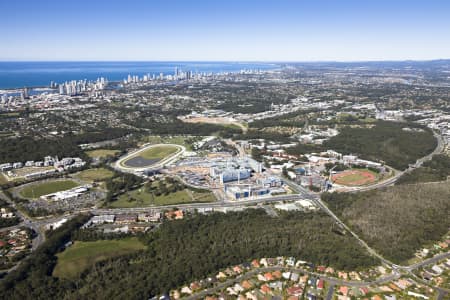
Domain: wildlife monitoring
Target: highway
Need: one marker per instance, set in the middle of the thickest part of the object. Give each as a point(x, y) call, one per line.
point(439, 149)
point(316, 199)
point(189, 206)
point(38, 225)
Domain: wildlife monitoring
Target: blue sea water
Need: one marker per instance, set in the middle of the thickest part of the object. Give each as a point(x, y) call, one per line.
point(40, 74)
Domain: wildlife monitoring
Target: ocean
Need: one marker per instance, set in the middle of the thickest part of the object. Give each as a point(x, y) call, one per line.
point(40, 74)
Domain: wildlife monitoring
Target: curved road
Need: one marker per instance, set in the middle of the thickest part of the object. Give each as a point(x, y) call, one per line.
point(439, 149)
point(332, 280)
point(119, 164)
point(37, 225)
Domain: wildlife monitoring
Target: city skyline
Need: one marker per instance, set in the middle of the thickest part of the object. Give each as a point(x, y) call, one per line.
point(231, 31)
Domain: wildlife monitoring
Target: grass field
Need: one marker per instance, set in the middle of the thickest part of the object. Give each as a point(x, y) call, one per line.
point(158, 152)
point(101, 153)
point(177, 140)
point(47, 187)
point(150, 156)
point(82, 255)
point(28, 170)
point(143, 198)
point(225, 122)
point(91, 175)
point(355, 177)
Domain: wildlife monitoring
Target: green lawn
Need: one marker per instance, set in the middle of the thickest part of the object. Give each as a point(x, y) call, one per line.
point(97, 174)
point(177, 140)
point(158, 152)
point(155, 153)
point(82, 255)
point(47, 187)
point(100, 153)
point(142, 198)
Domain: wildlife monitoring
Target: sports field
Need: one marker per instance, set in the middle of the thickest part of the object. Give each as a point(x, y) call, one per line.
point(150, 156)
point(97, 174)
point(173, 139)
point(36, 190)
point(101, 153)
point(158, 152)
point(82, 255)
point(141, 198)
point(355, 177)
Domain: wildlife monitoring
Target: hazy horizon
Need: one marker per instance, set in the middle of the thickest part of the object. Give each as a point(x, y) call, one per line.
point(234, 61)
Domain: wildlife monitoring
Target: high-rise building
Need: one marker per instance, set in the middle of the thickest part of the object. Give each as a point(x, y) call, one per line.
point(61, 89)
point(25, 93)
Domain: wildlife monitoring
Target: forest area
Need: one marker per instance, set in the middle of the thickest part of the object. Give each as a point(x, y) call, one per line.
point(386, 141)
point(214, 241)
point(396, 221)
point(30, 148)
point(437, 169)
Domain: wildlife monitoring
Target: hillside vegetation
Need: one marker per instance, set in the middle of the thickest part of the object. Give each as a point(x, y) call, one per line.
point(184, 250)
point(33, 148)
point(396, 221)
point(82, 255)
point(437, 169)
point(386, 141)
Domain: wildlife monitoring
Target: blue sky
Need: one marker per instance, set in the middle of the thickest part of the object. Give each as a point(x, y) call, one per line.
point(231, 30)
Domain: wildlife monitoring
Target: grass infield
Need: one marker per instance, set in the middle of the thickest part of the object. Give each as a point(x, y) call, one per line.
point(36, 190)
point(355, 177)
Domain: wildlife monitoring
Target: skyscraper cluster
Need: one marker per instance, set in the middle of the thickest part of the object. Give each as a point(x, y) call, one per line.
point(74, 87)
point(177, 75)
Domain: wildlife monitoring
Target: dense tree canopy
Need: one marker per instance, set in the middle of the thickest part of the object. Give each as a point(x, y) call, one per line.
point(31, 148)
point(185, 250)
point(399, 220)
point(386, 141)
point(437, 169)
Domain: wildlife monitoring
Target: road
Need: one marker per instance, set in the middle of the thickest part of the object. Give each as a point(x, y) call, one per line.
point(392, 180)
point(316, 199)
point(250, 274)
point(330, 292)
point(331, 280)
point(439, 148)
point(26, 222)
point(429, 261)
point(292, 197)
point(38, 225)
point(119, 164)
